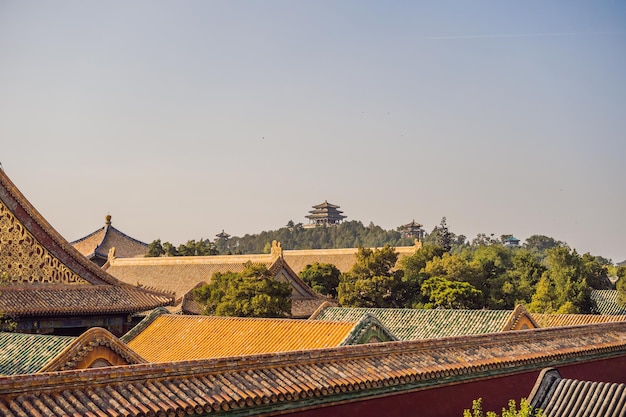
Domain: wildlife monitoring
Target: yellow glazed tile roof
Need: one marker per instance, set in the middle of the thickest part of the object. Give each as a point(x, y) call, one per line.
point(559, 320)
point(174, 337)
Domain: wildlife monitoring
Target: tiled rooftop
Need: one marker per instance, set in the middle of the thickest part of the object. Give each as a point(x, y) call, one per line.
point(102, 240)
point(172, 337)
point(559, 397)
point(28, 353)
point(557, 320)
point(605, 302)
point(413, 324)
point(290, 381)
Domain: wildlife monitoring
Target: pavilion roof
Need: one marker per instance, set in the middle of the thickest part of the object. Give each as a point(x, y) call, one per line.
point(47, 274)
point(298, 380)
point(415, 324)
point(100, 242)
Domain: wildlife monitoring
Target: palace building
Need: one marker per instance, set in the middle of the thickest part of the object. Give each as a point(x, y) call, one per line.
point(49, 287)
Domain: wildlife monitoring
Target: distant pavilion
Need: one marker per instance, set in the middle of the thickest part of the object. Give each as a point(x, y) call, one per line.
point(325, 214)
point(412, 230)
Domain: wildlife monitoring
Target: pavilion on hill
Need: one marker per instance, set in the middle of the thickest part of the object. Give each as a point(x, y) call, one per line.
point(325, 214)
point(412, 230)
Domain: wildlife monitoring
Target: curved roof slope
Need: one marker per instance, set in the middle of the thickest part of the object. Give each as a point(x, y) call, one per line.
point(413, 324)
point(173, 337)
point(343, 259)
point(558, 320)
point(300, 380)
point(98, 243)
point(605, 302)
point(38, 259)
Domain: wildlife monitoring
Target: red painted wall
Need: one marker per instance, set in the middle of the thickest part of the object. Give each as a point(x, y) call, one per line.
point(451, 400)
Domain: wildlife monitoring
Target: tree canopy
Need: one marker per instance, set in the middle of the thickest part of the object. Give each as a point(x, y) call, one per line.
point(250, 293)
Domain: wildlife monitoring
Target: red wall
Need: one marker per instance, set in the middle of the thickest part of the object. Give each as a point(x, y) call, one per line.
point(451, 400)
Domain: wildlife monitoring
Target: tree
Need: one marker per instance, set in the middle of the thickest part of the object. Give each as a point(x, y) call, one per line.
point(323, 278)
point(414, 268)
point(155, 249)
point(621, 285)
point(444, 238)
point(525, 410)
point(450, 294)
point(539, 244)
point(250, 293)
point(372, 281)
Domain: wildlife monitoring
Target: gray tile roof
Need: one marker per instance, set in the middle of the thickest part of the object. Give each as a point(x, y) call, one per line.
point(559, 397)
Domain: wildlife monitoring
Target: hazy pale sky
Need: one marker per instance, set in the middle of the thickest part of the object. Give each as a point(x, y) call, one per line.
point(181, 119)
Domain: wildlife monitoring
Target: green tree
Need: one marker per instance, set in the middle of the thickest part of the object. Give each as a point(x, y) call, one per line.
point(539, 244)
point(414, 268)
point(450, 294)
point(444, 238)
point(250, 293)
point(155, 249)
point(323, 278)
point(373, 281)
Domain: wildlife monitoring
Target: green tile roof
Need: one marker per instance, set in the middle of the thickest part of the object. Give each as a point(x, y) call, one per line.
point(28, 353)
point(410, 324)
point(605, 302)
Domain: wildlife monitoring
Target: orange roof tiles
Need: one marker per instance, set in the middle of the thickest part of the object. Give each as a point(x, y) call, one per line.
point(174, 337)
point(276, 383)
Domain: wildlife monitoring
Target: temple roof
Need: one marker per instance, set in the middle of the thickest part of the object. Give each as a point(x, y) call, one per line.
point(180, 274)
point(414, 324)
point(298, 380)
point(560, 397)
point(163, 337)
point(98, 243)
point(31, 353)
point(48, 275)
point(343, 259)
point(605, 302)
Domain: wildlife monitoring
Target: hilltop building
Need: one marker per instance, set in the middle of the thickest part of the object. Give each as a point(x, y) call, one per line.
point(325, 214)
point(511, 242)
point(412, 230)
point(96, 246)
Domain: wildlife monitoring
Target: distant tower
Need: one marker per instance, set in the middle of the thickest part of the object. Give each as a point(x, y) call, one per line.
point(412, 230)
point(325, 214)
point(511, 242)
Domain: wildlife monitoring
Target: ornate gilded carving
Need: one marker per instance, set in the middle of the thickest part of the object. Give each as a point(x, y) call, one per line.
point(24, 259)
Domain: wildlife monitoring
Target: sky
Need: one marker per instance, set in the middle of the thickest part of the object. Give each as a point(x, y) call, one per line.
point(183, 119)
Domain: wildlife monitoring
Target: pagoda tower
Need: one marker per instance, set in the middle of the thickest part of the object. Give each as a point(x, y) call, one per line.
point(325, 214)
